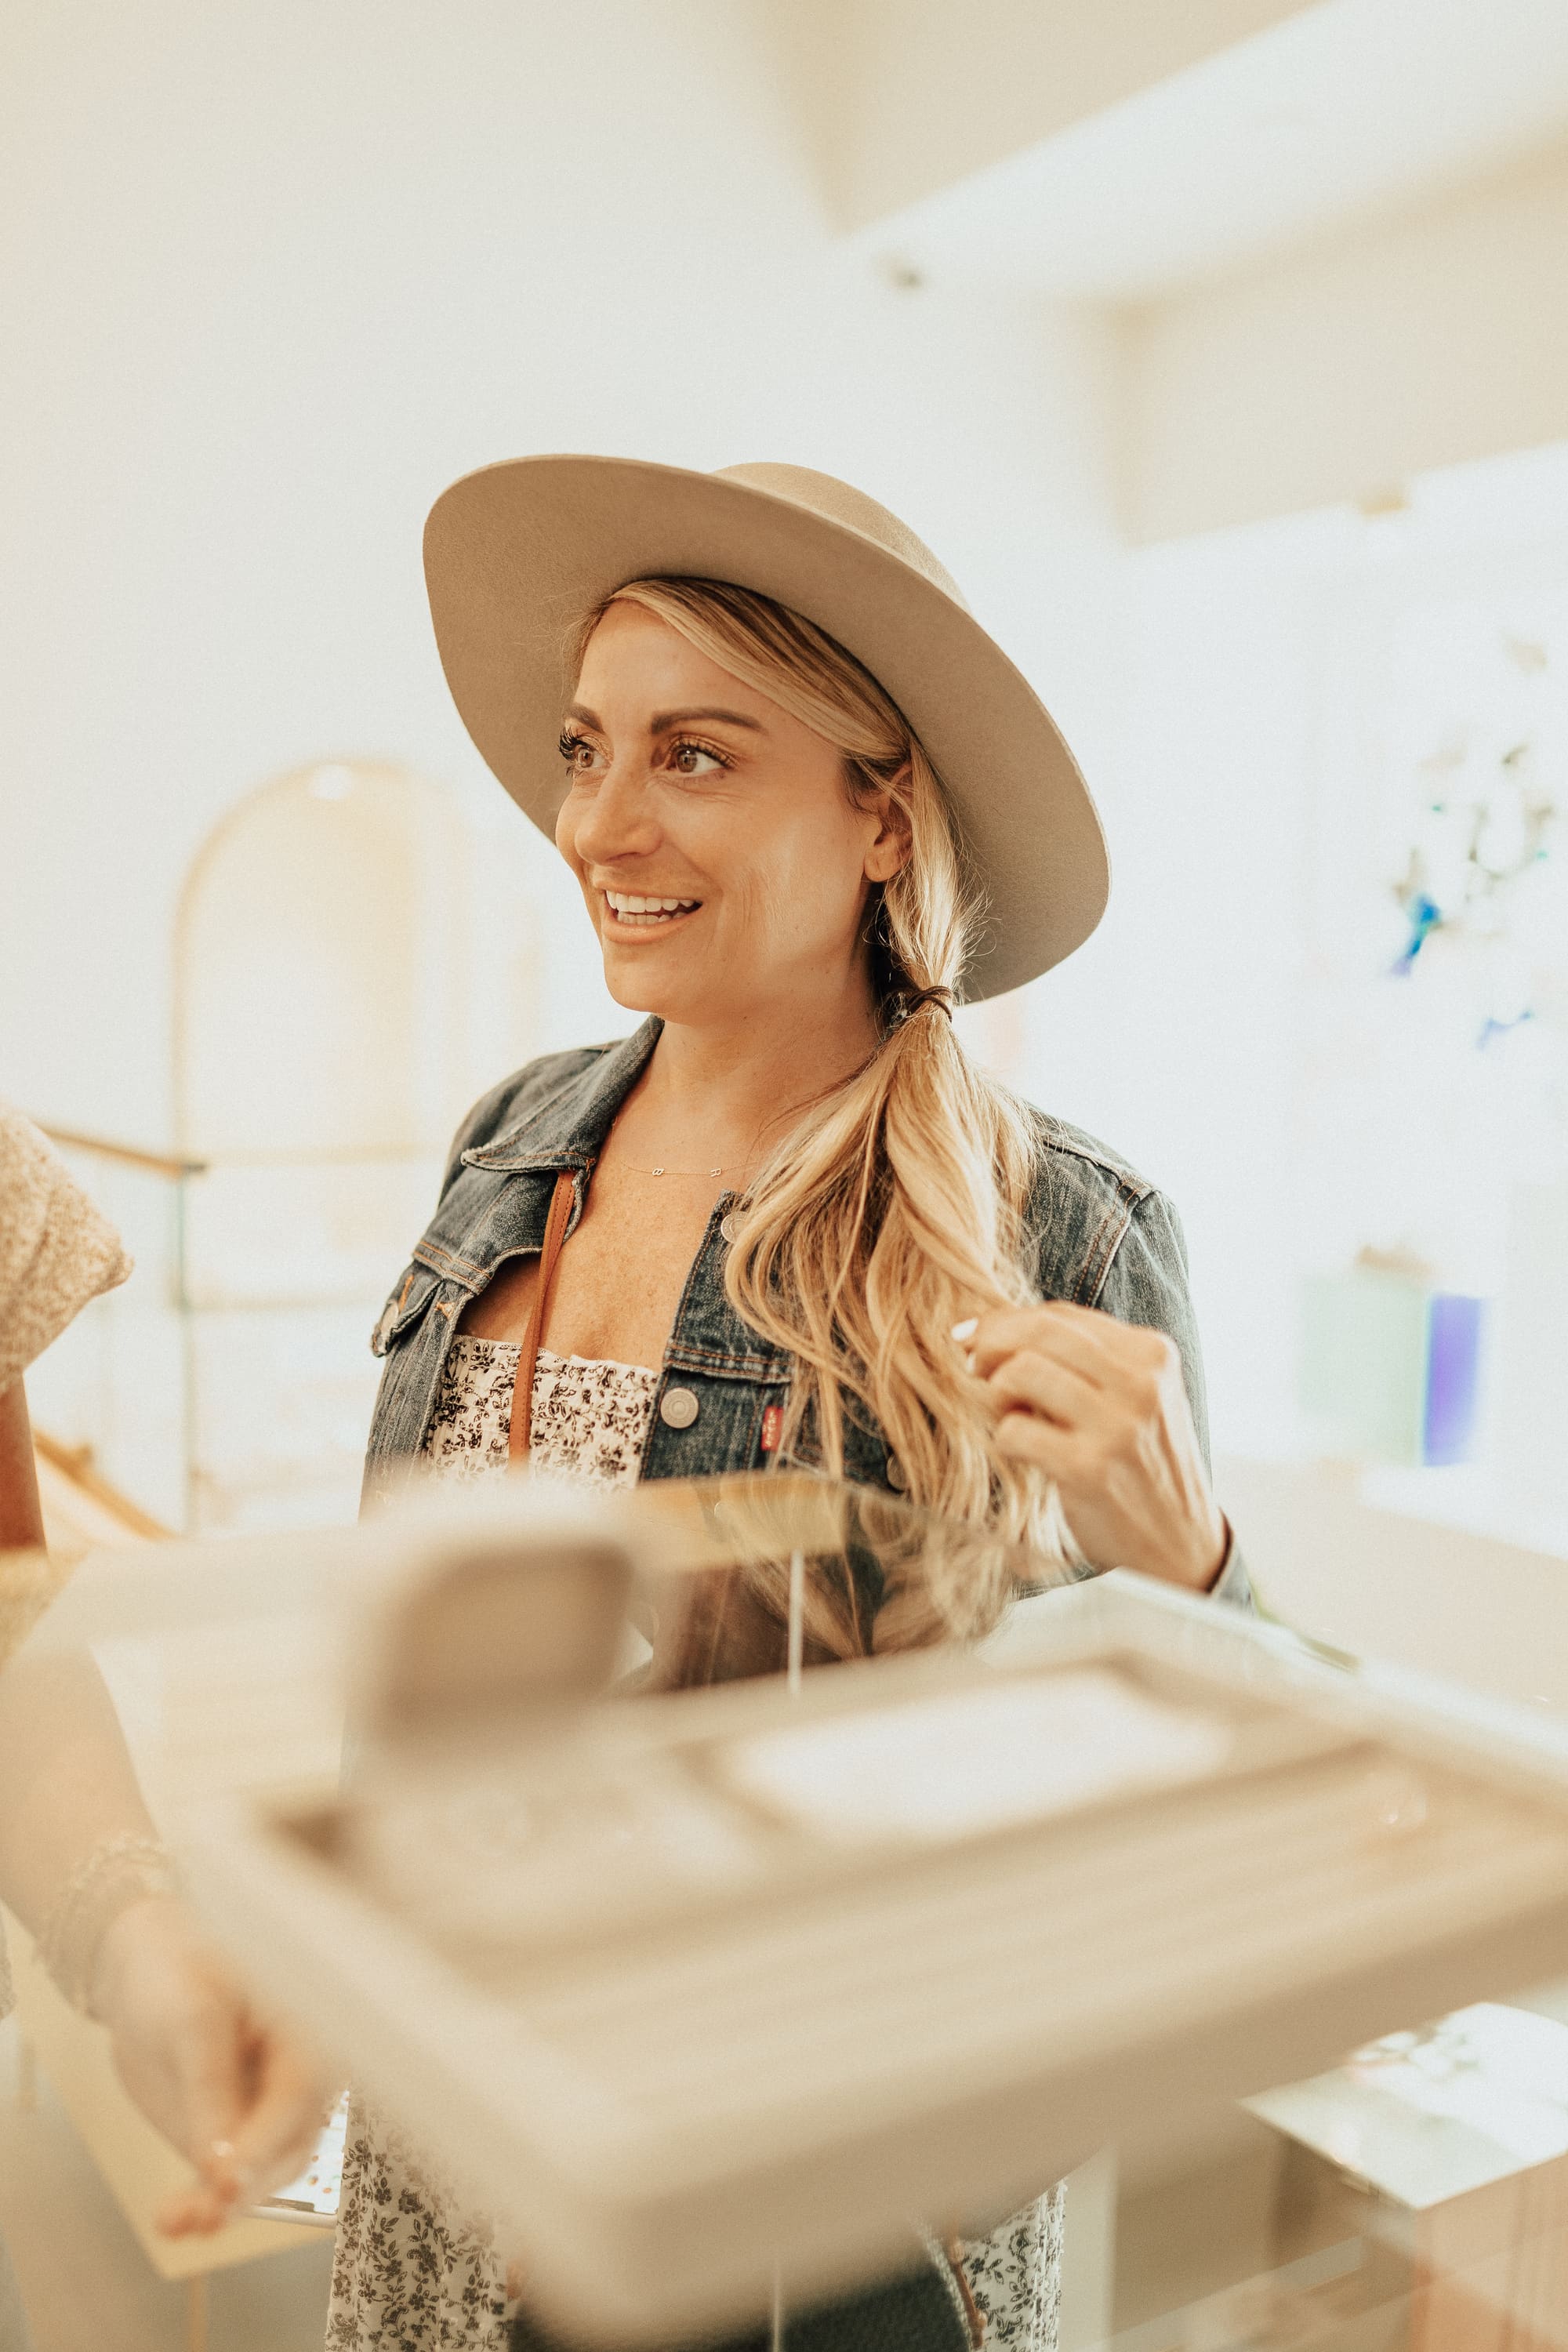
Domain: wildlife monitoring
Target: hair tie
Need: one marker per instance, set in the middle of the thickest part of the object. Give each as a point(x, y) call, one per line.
point(941, 997)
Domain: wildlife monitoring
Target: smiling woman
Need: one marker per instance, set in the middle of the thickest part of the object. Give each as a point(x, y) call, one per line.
point(809, 805)
point(739, 815)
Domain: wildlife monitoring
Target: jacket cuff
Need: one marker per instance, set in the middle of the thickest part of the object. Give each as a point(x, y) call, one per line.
point(1233, 1583)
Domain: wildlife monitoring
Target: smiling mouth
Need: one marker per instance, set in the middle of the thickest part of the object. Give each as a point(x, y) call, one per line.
point(646, 913)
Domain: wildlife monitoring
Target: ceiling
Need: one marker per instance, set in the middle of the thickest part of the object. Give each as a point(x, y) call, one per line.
point(1348, 112)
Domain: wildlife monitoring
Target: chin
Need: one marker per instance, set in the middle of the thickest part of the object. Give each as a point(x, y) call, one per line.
point(646, 991)
point(639, 990)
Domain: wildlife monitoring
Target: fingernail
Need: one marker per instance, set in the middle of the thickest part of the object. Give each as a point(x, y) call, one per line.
point(966, 1329)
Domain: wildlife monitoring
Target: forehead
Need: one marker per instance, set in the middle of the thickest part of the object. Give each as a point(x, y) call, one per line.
point(633, 657)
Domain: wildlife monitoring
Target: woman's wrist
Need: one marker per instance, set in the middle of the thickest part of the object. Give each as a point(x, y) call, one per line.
point(122, 1874)
point(145, 1921)
point(1205, 1557)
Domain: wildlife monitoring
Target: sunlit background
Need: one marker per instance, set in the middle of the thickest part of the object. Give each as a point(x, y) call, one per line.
point(1220, 351)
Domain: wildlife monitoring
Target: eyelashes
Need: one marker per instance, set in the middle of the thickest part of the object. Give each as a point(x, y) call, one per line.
point(572, 745)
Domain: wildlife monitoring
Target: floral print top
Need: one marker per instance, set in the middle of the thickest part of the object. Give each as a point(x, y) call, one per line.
point(589, 1421)
point(413, 2272)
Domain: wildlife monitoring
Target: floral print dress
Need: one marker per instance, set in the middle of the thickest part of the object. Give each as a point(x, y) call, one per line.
point(412, 2271)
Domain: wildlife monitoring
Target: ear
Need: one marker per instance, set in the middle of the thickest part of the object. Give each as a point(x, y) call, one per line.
point(889, 851)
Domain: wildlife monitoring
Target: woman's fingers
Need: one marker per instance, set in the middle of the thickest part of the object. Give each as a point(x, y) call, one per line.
point(284, 2119)
point(1099, 1347)
point(271, 2141)
point(214, 2059)
point(1028, 1438)
point(1044, 1385)
point(198, 2211)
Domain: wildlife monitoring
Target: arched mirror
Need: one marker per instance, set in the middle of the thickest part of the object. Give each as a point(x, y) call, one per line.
point(324, 965)
point(320, 970)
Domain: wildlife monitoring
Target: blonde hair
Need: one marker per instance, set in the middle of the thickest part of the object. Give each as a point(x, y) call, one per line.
point(897, 1204)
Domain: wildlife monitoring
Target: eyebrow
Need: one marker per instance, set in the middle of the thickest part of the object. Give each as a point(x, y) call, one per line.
point(663, 721)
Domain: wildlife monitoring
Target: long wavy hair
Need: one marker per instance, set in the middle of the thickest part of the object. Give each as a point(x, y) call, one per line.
point(896, 1204)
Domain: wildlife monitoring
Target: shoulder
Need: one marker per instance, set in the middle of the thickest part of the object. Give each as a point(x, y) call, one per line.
point(518, 1097)
point(1069, 1156)
point(1100, 1227)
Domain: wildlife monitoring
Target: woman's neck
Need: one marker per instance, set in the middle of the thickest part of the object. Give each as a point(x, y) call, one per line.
point(734, 1090)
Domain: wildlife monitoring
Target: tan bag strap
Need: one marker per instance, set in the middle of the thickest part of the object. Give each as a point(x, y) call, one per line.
point(519, 1434)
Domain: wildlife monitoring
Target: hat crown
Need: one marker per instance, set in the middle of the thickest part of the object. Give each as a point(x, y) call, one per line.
point(840, 502)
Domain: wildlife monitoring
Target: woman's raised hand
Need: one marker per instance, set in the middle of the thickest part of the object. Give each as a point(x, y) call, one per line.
point(1100, 1405)
point(230, 2091)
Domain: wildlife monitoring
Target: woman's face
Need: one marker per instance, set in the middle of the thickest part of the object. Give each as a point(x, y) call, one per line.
point(724, 865)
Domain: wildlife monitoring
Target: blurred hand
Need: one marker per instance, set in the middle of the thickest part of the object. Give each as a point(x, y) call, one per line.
point(1101, 1406)
point(225, 2087)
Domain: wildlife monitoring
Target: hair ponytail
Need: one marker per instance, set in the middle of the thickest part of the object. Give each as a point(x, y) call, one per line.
point(895, 1206)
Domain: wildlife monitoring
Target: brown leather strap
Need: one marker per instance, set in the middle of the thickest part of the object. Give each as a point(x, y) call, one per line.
point(518, 1434)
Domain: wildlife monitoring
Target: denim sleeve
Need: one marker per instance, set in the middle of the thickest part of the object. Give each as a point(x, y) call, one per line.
point(1146, 1282)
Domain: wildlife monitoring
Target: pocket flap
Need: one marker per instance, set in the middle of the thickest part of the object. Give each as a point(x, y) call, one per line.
point(406, 1302)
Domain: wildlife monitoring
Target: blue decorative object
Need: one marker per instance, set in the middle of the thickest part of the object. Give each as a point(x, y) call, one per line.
point(1424, 916)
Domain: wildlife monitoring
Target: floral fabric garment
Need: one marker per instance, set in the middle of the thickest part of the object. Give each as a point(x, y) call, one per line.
point(1015, 2277)
point(413, 2272)
point(589, 1418)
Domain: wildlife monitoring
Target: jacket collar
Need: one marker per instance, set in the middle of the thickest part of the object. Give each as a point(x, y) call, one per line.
point(568, 1129)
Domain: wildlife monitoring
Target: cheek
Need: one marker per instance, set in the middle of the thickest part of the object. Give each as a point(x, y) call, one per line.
point(815, 880)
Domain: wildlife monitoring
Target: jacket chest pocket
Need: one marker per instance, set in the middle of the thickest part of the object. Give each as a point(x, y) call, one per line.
point(406, 1303)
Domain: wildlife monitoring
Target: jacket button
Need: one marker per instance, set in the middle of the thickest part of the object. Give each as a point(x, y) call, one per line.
point(727, 1226)
point(897, 1479)
point(678, 1408)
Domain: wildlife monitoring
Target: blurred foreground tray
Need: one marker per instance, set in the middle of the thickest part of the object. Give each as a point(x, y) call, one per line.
point(718, 1983)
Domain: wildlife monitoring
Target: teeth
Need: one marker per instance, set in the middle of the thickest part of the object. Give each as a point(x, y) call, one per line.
point(627, 905)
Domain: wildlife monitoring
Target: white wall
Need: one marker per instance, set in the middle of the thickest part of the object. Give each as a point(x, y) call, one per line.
point(906, 97)
point(1249, 1046)
point(1340, 371)
point(275, 277)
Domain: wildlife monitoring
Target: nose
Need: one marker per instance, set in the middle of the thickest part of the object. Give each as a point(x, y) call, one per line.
point(616, 819)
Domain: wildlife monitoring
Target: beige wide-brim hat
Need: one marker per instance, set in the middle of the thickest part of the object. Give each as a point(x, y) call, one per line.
point(515, 556)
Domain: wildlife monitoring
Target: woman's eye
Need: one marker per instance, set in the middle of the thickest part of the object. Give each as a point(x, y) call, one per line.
point(685, 759)
point(578, 753)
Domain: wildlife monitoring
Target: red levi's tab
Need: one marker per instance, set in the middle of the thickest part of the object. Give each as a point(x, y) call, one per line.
point(772, 1427)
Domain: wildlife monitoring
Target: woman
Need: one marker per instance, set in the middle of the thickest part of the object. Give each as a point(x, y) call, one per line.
point(809, 804)
point(81, 1861)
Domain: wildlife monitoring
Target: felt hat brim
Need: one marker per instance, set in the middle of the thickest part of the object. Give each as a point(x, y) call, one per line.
point(516, 556)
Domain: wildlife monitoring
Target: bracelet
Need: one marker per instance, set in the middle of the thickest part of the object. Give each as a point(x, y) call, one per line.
point(119, 1871)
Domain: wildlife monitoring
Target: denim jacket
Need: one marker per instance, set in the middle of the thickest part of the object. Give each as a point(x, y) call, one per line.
point(1100, 1235)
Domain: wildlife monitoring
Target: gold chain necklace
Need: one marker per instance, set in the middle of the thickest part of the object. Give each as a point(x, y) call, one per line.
point(670, 1171)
